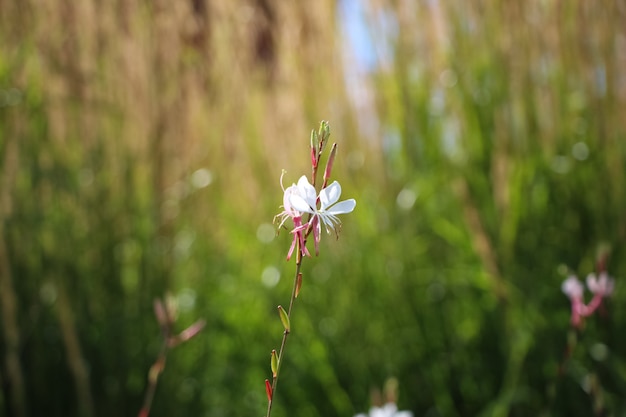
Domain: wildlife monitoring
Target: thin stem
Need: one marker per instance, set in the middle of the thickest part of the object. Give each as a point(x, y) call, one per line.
point(593, 305)
point(285, 332)
point(316, 153)
point(153, 378)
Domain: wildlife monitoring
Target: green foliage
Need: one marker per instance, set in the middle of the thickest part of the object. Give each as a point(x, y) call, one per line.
point(141, 153)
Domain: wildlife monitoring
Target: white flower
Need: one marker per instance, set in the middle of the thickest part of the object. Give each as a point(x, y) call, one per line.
point(303, 191)
point(388, 410)
point(306, 202)
point(602, 285)
point(301, 198)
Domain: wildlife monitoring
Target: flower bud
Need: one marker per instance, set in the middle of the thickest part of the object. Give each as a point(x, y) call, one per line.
point(268, 390)
point(329, 164)
point(159, 312)
point(171, 307)
point(323, 134)
point(284, 317)
point(274, 363)
point(315, 148)
point(188, 333)
point(298, 283)
point(324, 130)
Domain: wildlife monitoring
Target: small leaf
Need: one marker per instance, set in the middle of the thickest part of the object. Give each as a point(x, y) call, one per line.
point(274, 363)
point(284, 318)
point(171, 307)
point(298, 284)
point(268, 390)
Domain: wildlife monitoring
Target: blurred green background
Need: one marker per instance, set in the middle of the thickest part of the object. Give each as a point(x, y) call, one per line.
point(141, 145)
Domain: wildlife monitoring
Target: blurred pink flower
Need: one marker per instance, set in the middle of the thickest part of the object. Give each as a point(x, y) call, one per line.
point(573, 288)
point(602, 285)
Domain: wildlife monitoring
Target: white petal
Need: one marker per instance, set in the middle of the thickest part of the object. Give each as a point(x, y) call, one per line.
point(329, 220)
point(303, 181)
point(288, 193)
point(390, 409)
point(345, 206)
point(300, 204)
point(307, 191)
point(330, 195)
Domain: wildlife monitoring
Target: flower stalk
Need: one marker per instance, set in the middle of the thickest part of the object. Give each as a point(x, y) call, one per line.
point(165, 312)
point(322, 208)
point(271, 388)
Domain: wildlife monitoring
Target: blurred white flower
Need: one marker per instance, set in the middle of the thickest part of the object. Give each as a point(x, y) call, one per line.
point(601, 287)
point(388, 410)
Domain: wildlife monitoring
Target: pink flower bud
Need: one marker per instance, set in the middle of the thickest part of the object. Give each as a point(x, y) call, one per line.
point(329, 164)
point(268, 390)
point(159, 312)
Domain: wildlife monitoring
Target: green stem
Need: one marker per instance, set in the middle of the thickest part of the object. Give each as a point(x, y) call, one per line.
point(285, 332)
